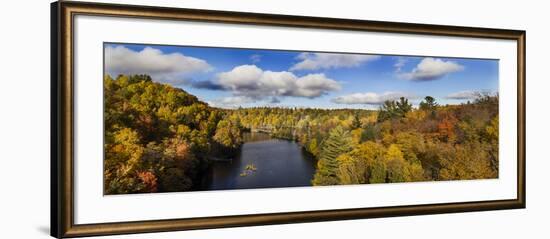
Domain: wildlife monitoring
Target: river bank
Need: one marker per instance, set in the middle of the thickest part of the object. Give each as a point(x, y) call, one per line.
point(276, 163)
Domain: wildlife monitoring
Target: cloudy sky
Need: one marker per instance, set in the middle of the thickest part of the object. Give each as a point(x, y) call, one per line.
point(229, 78)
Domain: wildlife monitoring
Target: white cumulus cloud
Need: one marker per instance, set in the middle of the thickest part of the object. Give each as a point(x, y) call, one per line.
point(170, 68)
point(231, 101)
point(464, 95)
point(370, 98)
point(431, 69)
point(316, 61)
point(255, 83)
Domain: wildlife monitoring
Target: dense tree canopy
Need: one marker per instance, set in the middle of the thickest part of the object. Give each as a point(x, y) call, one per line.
point(396, 143)
point(160, 138)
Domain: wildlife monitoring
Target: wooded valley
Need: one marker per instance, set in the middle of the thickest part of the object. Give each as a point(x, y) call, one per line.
point(159, 138)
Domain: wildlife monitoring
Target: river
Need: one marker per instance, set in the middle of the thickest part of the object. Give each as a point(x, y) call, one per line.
point(263, 162)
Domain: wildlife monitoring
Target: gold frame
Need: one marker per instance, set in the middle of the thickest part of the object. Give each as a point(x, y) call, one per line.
point(62, 17)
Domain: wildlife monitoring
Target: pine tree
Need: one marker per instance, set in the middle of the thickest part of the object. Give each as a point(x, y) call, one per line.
point(388, 110)
point(356, 123)
point(337, 143)
point(403, 106)
point(313, 147)
point(392, 109)
point(428, 103)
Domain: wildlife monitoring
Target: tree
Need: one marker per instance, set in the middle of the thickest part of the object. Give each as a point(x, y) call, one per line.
point(491, 131)
point(396, 164)
point(175, 180)
point(337, 143)
point(356, 123)
point(356, 135)
point(313, 147)
point(388, 110)
point(149, 180)
point(392, 109)
point(371, 132)
point(153, 134)
point(349, 172)
point(378, 172)
point(403, 106)
point(469, 161)
point(446, 128)
point(414, 172)
point(228, 134)
point(411, 144)
point(123, 155)
point(428, 104)
point(356, 166)
point(160, 138)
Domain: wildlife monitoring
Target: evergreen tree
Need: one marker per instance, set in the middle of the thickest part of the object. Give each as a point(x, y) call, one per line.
point(313, 147)
point(403, 107)
point(356, 123)
point(337, 143)
point(387, 111)
point(392, 109)
point(428, 103)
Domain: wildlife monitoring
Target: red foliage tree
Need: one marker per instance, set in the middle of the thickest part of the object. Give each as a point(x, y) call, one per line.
point(446, 128)
point(149, 180)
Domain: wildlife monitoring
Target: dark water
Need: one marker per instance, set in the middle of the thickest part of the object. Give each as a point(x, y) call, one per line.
point(263, 162)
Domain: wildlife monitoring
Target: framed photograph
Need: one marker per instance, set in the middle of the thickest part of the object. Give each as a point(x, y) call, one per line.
point(172, 119)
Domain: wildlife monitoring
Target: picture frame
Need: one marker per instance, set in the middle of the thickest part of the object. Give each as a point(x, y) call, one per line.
point(63, 120)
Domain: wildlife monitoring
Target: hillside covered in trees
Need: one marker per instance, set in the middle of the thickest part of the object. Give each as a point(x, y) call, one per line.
point(160, 138)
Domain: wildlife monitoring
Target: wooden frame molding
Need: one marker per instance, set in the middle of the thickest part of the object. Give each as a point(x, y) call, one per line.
point(62, 117)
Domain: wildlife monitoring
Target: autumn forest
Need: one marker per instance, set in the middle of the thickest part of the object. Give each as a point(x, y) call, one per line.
point(160, 138)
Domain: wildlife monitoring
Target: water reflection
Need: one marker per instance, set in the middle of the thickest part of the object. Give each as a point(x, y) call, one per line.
point(263, 162)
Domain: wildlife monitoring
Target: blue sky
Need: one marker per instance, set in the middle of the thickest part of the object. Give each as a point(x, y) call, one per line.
point(230, 77)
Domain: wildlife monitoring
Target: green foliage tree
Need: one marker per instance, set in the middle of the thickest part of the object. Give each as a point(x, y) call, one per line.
point(337, 143)
point(314, 147)
point(378, 172)
point(228, 134)
point(371, 132)
point(356, 123)
point(392, 109)
point(388, 110)
point(403, 106)
point(428, 104)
